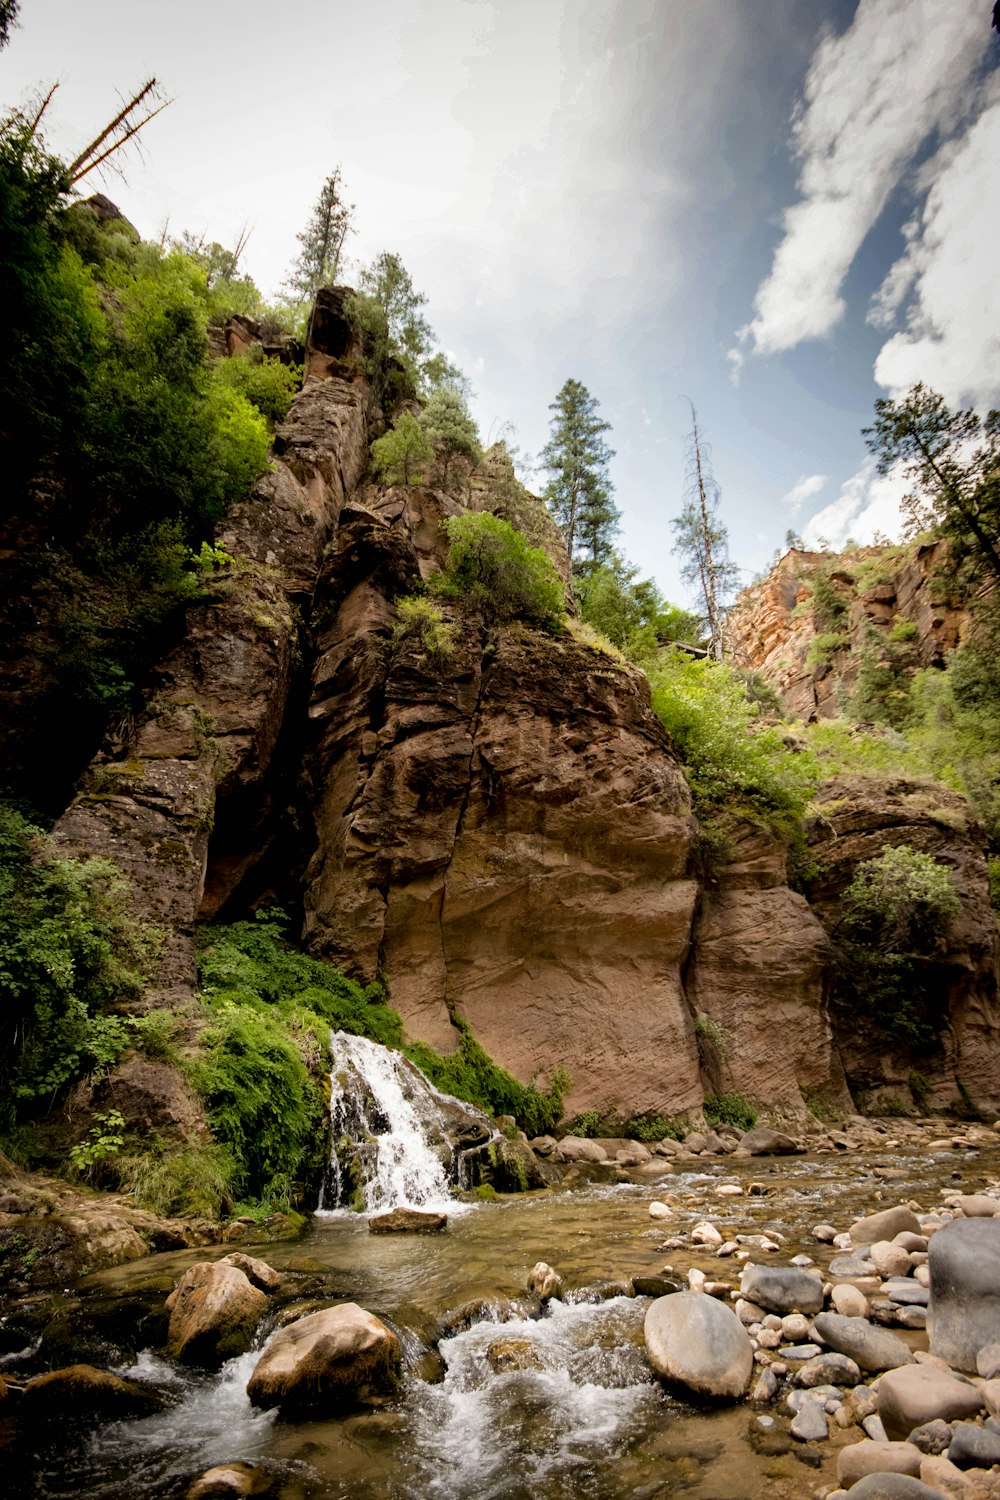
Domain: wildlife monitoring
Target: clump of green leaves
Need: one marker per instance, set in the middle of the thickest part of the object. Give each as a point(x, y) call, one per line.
point(730, 1109)
point(471, 1074)
point(420, 617)
point(450, 430)
point(103, 1139)
point(493, 569)
point(656, 1128)
point(267, 383)
point(402, 454)
point(821, 646)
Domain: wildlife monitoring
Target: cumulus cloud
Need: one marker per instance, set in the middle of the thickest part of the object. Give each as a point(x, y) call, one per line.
point(872, 97)
point(945, 282)
point(804, 489)
point(868, 502)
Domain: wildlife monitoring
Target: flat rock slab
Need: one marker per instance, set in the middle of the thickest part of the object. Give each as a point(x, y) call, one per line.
point(915, 1394)
point(872, 1348)
point(964, 1310)
point(698, 1343)
point(408, 1221)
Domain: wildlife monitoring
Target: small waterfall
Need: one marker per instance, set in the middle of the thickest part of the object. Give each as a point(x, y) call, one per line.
point(395, 1140)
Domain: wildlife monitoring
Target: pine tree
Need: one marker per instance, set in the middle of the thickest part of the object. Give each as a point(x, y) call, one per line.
point(388, 284)
point(579, 493)
point(702, 541)
point(322, 241)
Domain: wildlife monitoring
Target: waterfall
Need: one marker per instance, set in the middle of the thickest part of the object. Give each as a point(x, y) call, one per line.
point(395, 1139)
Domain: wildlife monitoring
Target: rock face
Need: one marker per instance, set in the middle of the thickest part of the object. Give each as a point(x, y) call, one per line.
point(698, 1343)
point(964, 1310)
point(327, 1360)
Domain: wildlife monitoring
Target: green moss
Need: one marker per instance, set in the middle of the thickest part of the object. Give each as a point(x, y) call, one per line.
point(471, 1074)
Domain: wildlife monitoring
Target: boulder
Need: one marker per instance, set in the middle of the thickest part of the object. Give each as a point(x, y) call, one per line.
point(338, 1357)
point(872, 1348)
point(848, 1301)
point(932, 1437)
point(915, 1394)
point(782, 1289)
point(505, 1355)
point(658, 1210)
point(988, 1361)
point(700, 1344)
point(214, 1312)
point(977, 1205)
point(964, 1309)
point(234, 1481)
point(765, 1142)
point(892, 1487)
point(866, 1457)
point(506, 1165)
point(889, 1259)
point(544, 1282)
point(973, 1446)
point(408, 1221)
point(828, 1369)
point(82, 1390)
point(809, 1423)
point(577, 1148)
point(257, 1272)
point(884, 1225)
point(942, 1475)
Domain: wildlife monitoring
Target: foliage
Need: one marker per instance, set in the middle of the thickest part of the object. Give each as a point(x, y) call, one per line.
point(72, 956)
point(953, 458)
point(882, 690)
point(920, 1090)
point(702, 541)
point(471, 1074)
point(630, 612)
point(579, 492)
point(655, 1128)
point(903, 630)
point(841, 746)
point(8, 18)
point(267, 384)
point(103, 1139)
point(730, 1109)
point(178, 1180)
point(417, 616)
point(450, 430)
point(492, 568)
point(994, 877)
point(322, 241)
point(732, 760)
point(714, 1034)
point(821, 646)
point(828, 605)
point(400, 456)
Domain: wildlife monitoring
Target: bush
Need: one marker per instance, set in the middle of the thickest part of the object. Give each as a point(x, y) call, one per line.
point(730, 1109)
point(471, 1074)
point(267, 384)
point(401, 456)
point(492, 568)
point(419, 617)
point(179, 1180)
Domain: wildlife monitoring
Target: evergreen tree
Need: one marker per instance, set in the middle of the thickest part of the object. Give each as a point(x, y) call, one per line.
point(450, 429)
point(580, 493)
point(322, 241)
point(401, 454)
point(703, 542)
point(8, 16)
point(387, 283)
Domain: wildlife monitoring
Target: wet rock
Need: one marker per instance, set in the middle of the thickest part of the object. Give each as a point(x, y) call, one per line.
point(330, 1359)
point(658, 1210)
point(931, 1437)
point(544, 1282)
point(214, 1312)
point(809, 1424)
point(866, 1457)
point(884, 1225)
point(82, 1390)
point(766, 1142)
point(849, 1302)
point(871, 1348)
point(507, 1166)
point(235, 1481)
point(915, 1394)
point(706, 1234)
point(782, 1289)
point(892, 1487)
point(257, 1272)
point(973, 1446)
point(825, 1233)
point(476, 1310)
point(828, 1369)
point(654, 1286)
point(765, 1389)
point(546, 1145)
point(577, 1148)
point(795, 1328)
point(506, 1355)
point(698, 1343)
point(964, 1261)
point(905, 1290)
point(408, 1221)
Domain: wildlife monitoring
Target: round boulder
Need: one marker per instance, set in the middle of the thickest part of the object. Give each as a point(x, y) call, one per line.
point(782, 1289)
point(964, 1308)
point(765, 1142)
point(328, 1360)
point(700, 1344)
point(214, 1312)
point(866, 1457)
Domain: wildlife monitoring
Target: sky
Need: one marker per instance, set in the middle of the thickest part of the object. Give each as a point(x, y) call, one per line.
point(778, 210)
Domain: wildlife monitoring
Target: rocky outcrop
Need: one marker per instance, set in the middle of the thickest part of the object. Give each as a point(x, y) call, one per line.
point(856, 818)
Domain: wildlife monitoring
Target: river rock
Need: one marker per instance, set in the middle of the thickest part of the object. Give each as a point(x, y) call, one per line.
point(977, 1205)
point(848, 1301)
point(765, 1142)
point(889, 1259)
point(577, 1148)
point(699, 1343)
point(214, 1312)
point(964, 1311)
point(906, 1291)
point(866, 1457)
point(235, 1481)
point(884, 1225)
point(942, 1475)
point(973, 1446)
point(546, 1145)
point(809, 1423)
point(506, 1355)
point(706, 1234)
point(782, 1289)
point(988, 1361)
point(543, 1281)
point(83, 1390)
point(914, 1394)
point(327, 1360)
point(931, 1437)
point(259, 1274)
point(658, 1210)
point(795, 1328)
point(871, 1348)
point(892, 1487)
point(408, 1221)
point(828, 1369)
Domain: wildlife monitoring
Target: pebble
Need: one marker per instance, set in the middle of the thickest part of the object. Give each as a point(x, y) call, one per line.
point(765, 1389)
point(658, 1210)
point(801, 1352)
point(802, 1260)
point(729, 1190)
point(825, 1233)
point(706, 1234)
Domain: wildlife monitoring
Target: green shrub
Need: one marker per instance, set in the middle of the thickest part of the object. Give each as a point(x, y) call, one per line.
point(267, 384)
point(656, 1128)
point(492, 567)
point(730, 1109)
point(417, 616)
point(994, 876)
point(471, 1074)
point(920, 1090)
point(821, 646)
point(903, 630)
point(829, 607)
point(104, 1139)
point(401, 456)
point(179, 1180)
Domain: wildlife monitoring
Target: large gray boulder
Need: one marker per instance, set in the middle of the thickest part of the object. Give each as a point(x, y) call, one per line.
point(698, 1343)
point(916, 1394)
point(338, 1357)
point(866, 1457)
point(782, 1289)
point(964, 1309)
point(872, 1348)
point(765, 1142)
point(578, 1148)
point(214, 1311)
point(892, 1487)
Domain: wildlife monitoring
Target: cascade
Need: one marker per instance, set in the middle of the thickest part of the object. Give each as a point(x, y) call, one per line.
point(395, 1139)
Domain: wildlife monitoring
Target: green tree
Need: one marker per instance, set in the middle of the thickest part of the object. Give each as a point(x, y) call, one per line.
point(954, 460)
point(390, 287)
point(630, 611)
point(8, 17)
point(401, 454)
point(702, 542)
point(322, 241)
point(492, 566)
point(450, 429)
point(580, 492)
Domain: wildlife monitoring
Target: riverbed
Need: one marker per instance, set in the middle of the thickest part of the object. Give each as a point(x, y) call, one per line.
point(589, 1420)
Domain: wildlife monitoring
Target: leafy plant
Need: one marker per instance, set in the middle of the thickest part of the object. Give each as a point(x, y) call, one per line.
point(402, 454)
point(267, 383)
point(903, 630)
point(103, 1139)
point(656, 1128)
point(730, 1109)
point(471, 1074)
point(417, 616)
point(492, 568)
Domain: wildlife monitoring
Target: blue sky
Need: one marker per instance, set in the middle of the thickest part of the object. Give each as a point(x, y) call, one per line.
point(661, 198)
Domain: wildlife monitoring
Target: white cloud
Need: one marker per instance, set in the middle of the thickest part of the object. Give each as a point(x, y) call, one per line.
point(804, 489)
point(868, 502)
point(947, 278)
point(872, 96)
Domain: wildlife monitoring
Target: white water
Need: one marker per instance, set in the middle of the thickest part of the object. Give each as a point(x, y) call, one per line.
point(392, 1114)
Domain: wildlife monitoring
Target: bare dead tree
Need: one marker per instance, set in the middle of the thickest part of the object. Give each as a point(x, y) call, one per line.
point(702, 541)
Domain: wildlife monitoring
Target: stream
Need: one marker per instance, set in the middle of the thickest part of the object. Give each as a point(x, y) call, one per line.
point(588, 1420)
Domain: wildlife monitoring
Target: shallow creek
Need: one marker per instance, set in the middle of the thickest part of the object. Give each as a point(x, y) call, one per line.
point(591, 1422)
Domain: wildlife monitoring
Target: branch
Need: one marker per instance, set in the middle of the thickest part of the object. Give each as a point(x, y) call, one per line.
point(87, 161)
